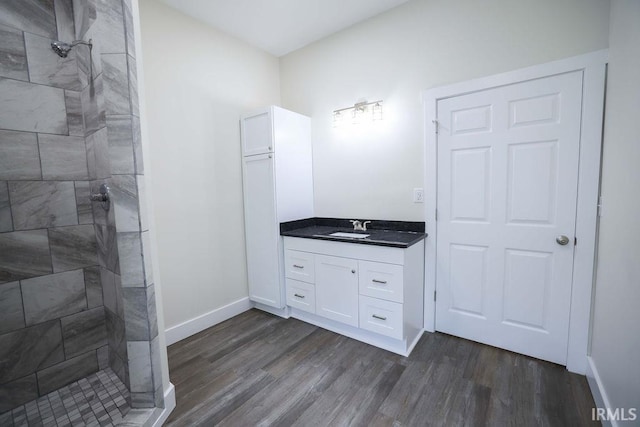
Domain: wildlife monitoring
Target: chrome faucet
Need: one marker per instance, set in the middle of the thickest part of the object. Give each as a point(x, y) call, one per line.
point(359, 226)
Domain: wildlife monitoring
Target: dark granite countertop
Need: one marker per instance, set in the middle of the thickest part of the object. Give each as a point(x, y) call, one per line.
point(397, 234)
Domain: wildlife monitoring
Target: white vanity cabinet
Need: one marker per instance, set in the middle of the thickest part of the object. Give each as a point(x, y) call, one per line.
point(367, 292)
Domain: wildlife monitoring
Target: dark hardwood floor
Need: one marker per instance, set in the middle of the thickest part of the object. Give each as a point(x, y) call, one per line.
point(258, 369)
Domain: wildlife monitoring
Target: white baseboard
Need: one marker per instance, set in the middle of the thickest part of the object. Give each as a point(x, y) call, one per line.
point(160, 417)
point(281, 312)
point(401, 347)
point(207, 320)
point(598, 391)
point(413, 344)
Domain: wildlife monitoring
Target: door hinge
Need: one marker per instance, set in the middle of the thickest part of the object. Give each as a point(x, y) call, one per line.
point(434, 295)
point(600, 206)
point(575, 241)
point(435, 125)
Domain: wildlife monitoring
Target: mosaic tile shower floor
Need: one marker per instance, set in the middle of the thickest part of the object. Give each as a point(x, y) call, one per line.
point(100, 399)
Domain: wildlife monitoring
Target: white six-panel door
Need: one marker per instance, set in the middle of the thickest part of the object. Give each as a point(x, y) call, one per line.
point(507, 190)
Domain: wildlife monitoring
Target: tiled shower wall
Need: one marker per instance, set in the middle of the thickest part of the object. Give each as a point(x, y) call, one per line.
point(75, 289)
point(52, 317)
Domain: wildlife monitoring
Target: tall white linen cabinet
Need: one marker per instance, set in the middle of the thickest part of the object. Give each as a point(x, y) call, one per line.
point(278, 187)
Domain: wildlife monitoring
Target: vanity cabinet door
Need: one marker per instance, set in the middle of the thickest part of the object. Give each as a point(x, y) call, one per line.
point(337, 289)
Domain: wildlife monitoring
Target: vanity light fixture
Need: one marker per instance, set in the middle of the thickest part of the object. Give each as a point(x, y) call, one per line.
point(359, 112)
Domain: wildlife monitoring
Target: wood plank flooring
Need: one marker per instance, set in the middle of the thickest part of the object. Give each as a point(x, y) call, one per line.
point(258, 369)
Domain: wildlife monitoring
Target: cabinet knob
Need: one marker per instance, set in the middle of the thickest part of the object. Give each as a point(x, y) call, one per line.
point(353, 271)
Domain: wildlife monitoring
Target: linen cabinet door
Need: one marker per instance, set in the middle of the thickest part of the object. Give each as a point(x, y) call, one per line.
point(261, 231)
point(257, 133)
point(337, 289)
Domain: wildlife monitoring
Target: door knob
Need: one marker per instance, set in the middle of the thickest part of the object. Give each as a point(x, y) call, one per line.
point(562, 240)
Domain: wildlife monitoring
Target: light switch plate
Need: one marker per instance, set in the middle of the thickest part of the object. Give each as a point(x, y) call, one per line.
point(418, 195)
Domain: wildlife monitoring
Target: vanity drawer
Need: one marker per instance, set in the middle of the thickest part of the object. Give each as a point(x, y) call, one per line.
point(301, 295)
point(299, 266)
point(378, 280)
point(382, 317)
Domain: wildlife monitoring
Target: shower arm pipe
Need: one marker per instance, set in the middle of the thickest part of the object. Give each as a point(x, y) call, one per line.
point(77, 42)
point(86, 43)
point(90, 44)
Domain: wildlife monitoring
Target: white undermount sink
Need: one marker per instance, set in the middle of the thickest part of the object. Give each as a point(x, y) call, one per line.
point(350, 235)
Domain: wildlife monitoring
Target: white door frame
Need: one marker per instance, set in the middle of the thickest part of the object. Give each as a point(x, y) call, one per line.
point(593, 66)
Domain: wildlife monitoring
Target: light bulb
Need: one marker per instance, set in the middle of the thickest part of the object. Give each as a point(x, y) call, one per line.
point(356, 116)
point(337, 119)
point(376, 111)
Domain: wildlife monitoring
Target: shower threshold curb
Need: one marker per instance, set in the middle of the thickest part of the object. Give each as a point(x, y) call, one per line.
point(151, 417)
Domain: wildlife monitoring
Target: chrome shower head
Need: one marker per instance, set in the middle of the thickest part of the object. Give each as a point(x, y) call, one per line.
point(62, 49)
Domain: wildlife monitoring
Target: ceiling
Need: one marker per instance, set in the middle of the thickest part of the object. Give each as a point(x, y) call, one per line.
point(282, 26)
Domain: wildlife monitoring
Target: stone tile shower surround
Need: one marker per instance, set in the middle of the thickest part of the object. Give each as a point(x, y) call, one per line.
point(76, 292)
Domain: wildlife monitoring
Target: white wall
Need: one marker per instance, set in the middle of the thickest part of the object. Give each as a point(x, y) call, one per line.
point(615, 345)
point(370, 172)
point(197, 83)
